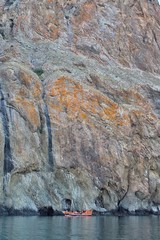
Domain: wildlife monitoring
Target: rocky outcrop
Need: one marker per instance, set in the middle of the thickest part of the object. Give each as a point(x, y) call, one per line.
point(79, 106)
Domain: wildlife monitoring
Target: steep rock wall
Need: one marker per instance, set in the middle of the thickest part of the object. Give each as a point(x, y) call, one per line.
point(79, 105)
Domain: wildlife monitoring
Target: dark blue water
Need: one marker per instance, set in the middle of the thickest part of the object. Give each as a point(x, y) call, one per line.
point(77, 228)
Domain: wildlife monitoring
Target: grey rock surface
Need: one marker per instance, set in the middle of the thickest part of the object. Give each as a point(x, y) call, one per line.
point(80, 105)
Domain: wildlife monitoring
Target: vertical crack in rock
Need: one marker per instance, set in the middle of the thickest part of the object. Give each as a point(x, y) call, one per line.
point(51, 159)
point(68, 11)
point(8, 164)
point(69, 32)
point(50, 144)
point(11, 27)
point(127, 190)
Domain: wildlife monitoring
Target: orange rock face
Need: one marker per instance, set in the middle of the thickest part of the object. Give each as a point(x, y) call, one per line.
point(75, 101)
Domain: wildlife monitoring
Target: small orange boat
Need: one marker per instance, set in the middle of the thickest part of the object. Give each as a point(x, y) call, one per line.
point(75, 213)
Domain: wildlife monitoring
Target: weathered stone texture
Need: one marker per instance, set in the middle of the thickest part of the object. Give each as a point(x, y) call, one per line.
point(79, 107)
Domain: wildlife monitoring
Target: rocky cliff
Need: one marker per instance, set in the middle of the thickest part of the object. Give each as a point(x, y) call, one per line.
point(79, 105)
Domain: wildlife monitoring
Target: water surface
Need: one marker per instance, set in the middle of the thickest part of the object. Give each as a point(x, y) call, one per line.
point(78, 228)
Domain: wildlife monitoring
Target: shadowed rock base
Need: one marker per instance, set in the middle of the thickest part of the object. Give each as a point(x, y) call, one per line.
point(44, 211)
point(124, 212)
point(49, 211)
point(4, 211)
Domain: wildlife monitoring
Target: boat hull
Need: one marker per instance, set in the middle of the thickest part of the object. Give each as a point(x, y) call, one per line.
point(75, 213)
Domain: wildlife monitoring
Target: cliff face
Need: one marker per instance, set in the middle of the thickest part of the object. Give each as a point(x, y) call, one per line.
point(80, 104)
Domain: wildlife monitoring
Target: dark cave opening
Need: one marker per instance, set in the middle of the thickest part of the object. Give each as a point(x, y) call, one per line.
point(66, 204)
point(99, 201)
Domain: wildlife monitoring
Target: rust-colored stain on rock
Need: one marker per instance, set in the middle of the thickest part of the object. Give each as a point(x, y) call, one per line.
point(79, 102)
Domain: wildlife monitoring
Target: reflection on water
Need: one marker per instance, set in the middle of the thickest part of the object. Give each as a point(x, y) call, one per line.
point(77, 228)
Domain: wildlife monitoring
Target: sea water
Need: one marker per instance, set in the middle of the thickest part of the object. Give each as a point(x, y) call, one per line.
point(78, 228)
